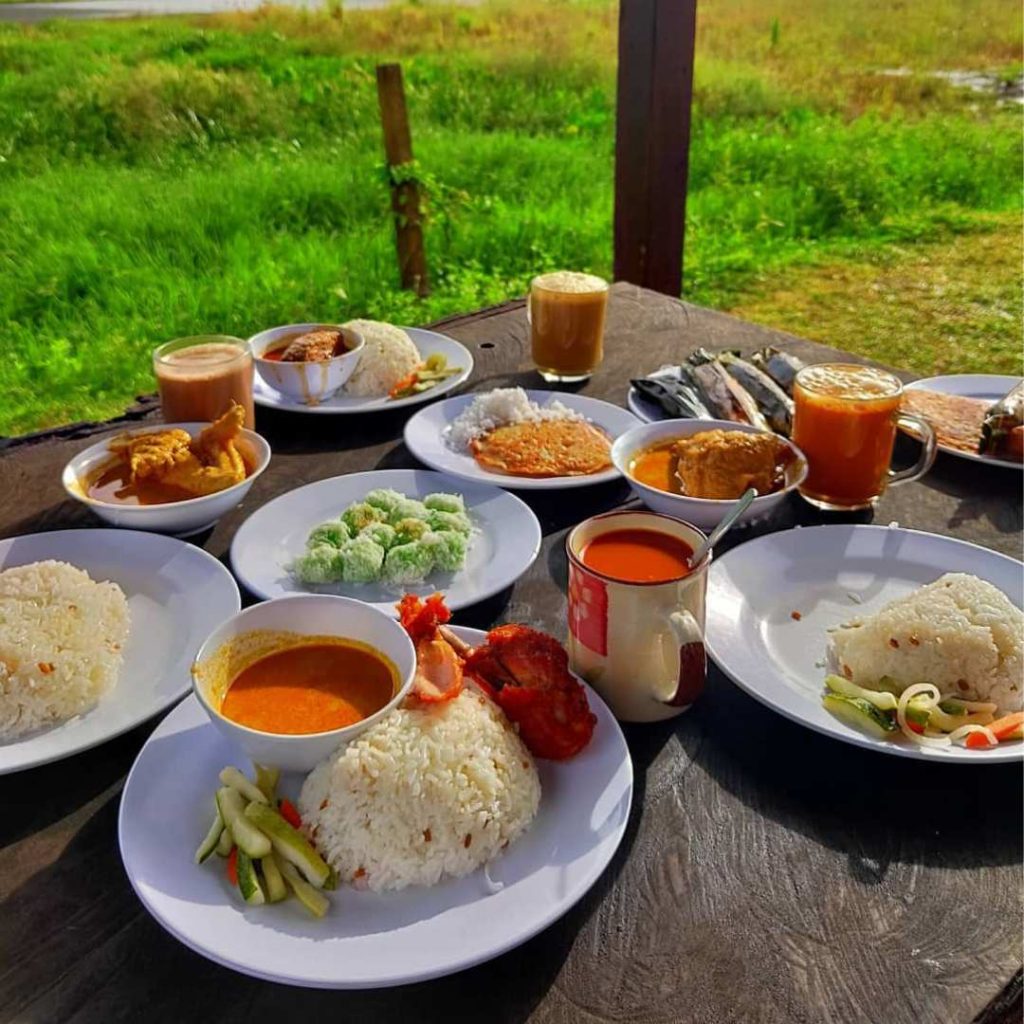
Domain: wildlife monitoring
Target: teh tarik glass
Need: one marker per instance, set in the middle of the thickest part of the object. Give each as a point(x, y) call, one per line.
point(845, 422)
point(199, 378)
point(566, 312)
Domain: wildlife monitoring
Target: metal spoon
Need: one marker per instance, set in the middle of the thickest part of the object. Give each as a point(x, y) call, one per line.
point(728, 520)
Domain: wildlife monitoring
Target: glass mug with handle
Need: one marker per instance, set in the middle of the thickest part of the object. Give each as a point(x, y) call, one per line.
point(636, 624)
point(845, 421)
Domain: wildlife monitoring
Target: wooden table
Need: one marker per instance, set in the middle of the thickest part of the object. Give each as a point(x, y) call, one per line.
point(767, 874)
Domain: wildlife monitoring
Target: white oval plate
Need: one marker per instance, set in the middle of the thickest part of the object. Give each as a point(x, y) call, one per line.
point(425, 438)
point(990, 386)
point(176, 594)
point(821, 572)
point(507, 540)
point(428, 342)
point(366, 940)
point(643, 408)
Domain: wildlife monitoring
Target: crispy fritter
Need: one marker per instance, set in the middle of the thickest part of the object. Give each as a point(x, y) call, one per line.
point(548, 448)
point(955, 419)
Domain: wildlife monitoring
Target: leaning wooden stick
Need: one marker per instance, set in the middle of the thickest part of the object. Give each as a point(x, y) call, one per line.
point(405, 189)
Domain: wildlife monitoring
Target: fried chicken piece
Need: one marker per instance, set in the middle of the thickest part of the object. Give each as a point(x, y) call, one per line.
point(314, 347)
point(151, 456)
point(722, 464)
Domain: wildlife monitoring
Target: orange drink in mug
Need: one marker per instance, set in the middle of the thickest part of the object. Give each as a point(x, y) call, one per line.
point(636, 612)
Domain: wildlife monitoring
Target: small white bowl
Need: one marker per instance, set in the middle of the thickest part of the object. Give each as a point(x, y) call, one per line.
point(706, 513)
point(310, 615)
point(308, 383)
point(178, 518)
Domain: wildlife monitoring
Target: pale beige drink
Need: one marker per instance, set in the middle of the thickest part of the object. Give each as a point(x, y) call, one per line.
point(566, 312)
point(200, 377)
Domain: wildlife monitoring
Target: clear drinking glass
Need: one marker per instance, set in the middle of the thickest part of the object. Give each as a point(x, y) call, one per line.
point(199, 377)
point(845, 422)
point(566, 312)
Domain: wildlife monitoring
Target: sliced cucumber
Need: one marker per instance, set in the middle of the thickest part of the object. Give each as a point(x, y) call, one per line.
point(946, 722)
point(226, 841)
point(232, 777)
point(266, 780)
point(861, 714)
point(883, 700)
point(248, 881)
point(248, 838)
point(312, 899)
point(919, 710)
point(272, 880)
point(209, 844)
point(290, 843)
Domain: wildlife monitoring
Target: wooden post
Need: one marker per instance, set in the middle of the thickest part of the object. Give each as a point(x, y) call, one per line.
point(405, 194)
point(652, 140)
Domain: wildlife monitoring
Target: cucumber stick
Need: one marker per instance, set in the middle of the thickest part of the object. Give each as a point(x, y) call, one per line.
point(273, 883)
point(232, 777)
point(248, 881)
point(226, 841)
point(266, 781)
point(291, 844)
point(882, 699)
point(861, 714)
point(249, 839)
point(212, 839)
point(312, 899)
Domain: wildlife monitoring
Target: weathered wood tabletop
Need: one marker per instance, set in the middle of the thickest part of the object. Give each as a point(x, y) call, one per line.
point(767, 874)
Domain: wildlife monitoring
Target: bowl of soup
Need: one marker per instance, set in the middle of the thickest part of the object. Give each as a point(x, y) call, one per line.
point(182, 503)
point(670, 464)
point(290, 680)
point(306, 362)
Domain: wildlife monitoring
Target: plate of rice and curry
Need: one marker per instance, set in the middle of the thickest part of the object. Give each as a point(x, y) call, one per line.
point(97, 630)
point(520, 439)
point(358, 801)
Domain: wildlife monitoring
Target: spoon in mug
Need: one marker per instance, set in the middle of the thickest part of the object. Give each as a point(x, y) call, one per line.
point(728, 520)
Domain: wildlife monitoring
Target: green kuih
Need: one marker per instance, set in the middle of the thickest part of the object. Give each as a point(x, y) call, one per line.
point(441, 521)
point(409, 530)
point(361, 560)
point(382, 534)
point(408, 563)
point(334, 532)
point(448, 549)
point(407, 508)
point(321, 564)
point(360, 515)
point(445, 502)
point(384, 499)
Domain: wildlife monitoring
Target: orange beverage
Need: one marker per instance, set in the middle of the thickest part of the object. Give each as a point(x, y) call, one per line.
point(200, 377)
point(845, 422)
point(566, 314)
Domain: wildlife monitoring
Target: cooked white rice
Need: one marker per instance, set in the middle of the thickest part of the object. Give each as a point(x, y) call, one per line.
point(426, 792)
point(498, 408)
point(61, 638)
point(388, 355)
point(959, 633)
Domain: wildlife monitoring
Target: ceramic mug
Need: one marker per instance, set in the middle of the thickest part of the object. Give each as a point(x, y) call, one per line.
point(640, 645)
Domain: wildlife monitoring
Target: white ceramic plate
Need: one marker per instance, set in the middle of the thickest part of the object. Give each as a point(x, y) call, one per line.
point(506, 542)
point(989, 386)
point(366, 940)
point(425, 438)
point(428, 342)
point(643, 408)
point(176, 594)
point(829, 574)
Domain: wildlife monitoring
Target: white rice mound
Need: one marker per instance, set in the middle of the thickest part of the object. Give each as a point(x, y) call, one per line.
point(61, 640)
point(388, 355)
point(498, 408)
point(426, 792)
point(959, 633)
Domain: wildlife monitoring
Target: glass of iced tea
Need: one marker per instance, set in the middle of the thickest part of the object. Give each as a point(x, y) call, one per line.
point(566, 313)
point(845, 423)
point(199, 377)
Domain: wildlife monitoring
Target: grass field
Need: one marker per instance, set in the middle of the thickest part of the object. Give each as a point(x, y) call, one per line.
point(160, 178)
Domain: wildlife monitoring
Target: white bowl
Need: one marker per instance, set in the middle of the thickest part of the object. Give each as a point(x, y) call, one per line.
point(706, 513)
point(178, 518)
point(311, 615)
point(308, 383)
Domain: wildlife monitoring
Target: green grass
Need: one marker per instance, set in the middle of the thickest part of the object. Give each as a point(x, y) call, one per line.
point(165, 178)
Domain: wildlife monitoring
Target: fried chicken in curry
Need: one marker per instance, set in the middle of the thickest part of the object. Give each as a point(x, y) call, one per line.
point(722, 464)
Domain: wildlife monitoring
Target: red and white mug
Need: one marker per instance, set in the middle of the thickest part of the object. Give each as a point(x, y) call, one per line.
point(640, 645)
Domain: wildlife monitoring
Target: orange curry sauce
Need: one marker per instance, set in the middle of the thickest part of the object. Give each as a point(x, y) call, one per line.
point(638, 556)
point(310, 688)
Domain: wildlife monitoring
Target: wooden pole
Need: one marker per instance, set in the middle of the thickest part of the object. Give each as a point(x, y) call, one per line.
point(652, 140)
point(405, 189)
